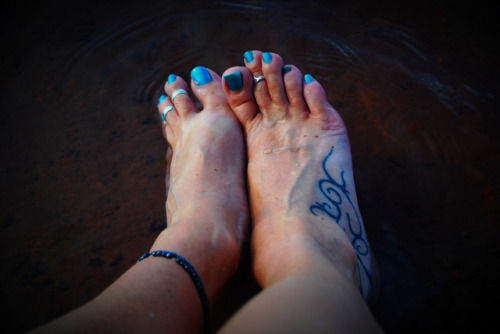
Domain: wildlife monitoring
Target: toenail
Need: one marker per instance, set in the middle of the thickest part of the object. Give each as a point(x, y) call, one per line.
point(248, 56)
point(286, 69)
point(234, 81)
point(161, 99)
point(171, 78)
point(266, 56)
point(308, 78)
point(200, 76)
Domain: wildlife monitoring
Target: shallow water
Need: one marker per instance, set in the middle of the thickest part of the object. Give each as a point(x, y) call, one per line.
point(83, 155)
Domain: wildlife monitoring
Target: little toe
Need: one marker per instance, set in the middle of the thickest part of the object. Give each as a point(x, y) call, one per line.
point(177, 89)
point(207, 87)
point(238, 83)
point(317, 102)
point(292, 79)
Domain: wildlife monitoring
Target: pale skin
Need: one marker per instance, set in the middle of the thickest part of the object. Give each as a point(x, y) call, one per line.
point(303, 260)
point(310, 254)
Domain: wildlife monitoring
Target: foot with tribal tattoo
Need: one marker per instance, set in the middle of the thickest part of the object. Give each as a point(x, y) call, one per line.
point(306, 219)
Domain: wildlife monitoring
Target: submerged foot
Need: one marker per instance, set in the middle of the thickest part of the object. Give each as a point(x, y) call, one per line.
point(303, 201)
point(207, 185)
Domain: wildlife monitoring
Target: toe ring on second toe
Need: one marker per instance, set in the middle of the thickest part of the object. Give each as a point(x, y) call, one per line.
point(176, 93)
point(257, 79)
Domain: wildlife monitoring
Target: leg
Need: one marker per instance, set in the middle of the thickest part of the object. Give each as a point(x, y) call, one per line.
point(310, 251)
point(207, 216)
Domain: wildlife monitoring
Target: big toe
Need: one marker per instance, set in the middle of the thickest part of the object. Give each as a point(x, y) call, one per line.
point(206, 86)
point(238, 87)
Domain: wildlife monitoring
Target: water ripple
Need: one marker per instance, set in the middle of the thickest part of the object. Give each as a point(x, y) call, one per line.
point(241, 5)
point(360, 54)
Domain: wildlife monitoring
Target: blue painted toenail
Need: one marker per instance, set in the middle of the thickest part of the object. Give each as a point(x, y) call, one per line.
point(161, 99)
point(234, 81)
point(200, 76)
point(286, 69)
point(248, 56)
point(266, 56)
point(171, 78)
point(308, 78)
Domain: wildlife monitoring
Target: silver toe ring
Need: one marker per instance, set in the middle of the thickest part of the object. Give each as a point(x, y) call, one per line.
point(177, 92)
point(164, 113)
point(257, 79)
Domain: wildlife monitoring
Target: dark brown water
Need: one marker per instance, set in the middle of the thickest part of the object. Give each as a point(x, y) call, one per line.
point(83, 156)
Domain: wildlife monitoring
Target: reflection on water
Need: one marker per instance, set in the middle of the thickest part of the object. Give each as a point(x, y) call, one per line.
point(82, 193)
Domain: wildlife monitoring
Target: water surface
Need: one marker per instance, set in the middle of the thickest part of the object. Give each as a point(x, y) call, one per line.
point(83, 156)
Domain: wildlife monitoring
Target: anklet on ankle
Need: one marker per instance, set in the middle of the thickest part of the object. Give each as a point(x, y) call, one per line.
point(194, 277)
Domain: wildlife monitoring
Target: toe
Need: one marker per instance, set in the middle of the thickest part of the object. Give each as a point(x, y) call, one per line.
point(207, 87)
point(253, 62)
point(317, 102)
point(168, 116)
point(272, 67)
point(177, 89)
point(238, 83)
point(292, 78)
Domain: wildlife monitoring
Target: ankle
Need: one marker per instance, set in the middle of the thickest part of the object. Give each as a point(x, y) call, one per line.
point(212, 249)
point(203, 233)
point(305, 256)
point(229, 220)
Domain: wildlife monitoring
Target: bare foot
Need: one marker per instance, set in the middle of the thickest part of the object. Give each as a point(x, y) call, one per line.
point(207, 185)
point(303, 202)
point(207, 213)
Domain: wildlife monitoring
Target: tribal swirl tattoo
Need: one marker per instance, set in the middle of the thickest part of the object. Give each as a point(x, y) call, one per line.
point(335, 194)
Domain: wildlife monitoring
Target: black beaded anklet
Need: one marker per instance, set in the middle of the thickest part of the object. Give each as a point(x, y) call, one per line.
point(194, 277)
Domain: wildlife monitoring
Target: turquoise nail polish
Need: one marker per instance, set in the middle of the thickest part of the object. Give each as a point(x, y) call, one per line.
point(308, 78)
point(248, 56)
point(200, 76)
point(234, 81)
point(286, 69)
point(266, 57)
point(171, 78)
point(161, 99)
